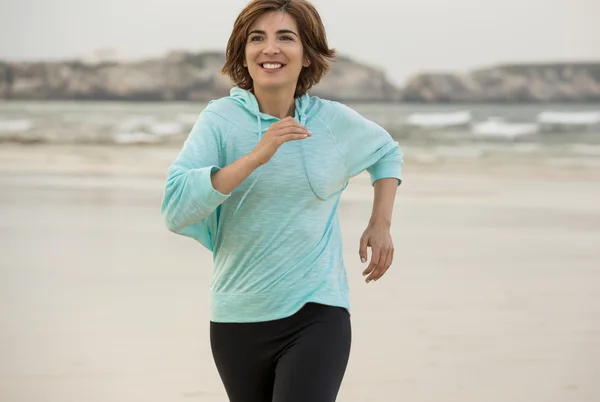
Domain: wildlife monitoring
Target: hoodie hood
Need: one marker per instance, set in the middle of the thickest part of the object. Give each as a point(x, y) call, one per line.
point(248, 101)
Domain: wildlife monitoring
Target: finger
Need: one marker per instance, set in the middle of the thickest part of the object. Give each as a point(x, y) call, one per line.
point(362, 249)
point(291, 130)
point(292, 137)
point(288, 122)
point(386, 265)
point(379, 267)
point(297, 128)
point(283, 125)
point(389, 264)
point(375, 255)
point(371, 266)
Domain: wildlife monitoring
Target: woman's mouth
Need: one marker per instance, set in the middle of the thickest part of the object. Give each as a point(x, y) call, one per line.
point(271, 67)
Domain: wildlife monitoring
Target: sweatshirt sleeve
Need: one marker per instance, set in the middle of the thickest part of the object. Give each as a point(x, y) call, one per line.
point(189, 195)
point(365, 145)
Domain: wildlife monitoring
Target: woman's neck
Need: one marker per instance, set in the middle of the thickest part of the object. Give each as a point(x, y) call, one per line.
point(279, 103)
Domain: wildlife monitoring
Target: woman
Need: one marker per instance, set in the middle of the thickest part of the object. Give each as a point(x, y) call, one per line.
point(258, 183)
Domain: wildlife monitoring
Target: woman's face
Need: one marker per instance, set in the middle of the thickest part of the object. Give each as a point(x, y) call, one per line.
point(274, 55)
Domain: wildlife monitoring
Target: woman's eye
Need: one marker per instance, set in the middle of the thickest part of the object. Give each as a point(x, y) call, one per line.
point(259, 38)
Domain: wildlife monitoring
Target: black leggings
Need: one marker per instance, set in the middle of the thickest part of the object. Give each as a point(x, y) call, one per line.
point(295, 359)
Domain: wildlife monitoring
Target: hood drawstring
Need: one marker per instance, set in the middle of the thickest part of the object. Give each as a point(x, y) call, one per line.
point(310, 184)
point(259, 133)
point(253, 106)
point(302, 121)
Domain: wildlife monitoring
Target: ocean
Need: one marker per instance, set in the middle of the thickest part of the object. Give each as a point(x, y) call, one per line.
point(558, 133)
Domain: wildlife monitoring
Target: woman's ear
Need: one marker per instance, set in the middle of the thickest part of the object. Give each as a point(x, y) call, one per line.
point(306, 62)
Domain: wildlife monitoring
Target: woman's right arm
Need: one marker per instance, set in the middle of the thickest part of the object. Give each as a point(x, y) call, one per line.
point(227, 179)
point(287, 129)
point(196, 184)
point(189, 195)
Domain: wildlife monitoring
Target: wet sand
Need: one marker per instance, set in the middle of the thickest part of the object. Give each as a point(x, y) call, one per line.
point(494, 294)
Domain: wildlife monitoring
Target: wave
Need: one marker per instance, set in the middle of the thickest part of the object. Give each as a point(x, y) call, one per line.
point(439, 120)
point(87, 124)
point(187, 118)
point(566, 121)
point(136, 129)
point(15, 125)
point(147, 124)
point(497, 127)
point(138, 137)
point(154, 133)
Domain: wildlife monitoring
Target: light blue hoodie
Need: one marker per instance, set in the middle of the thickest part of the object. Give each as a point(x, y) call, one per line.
point(276, 238)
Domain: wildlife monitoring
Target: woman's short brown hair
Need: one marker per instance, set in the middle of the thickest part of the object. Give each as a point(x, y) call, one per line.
point(312, 35)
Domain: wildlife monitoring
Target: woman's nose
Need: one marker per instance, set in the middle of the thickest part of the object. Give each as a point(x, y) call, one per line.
point(271, 47)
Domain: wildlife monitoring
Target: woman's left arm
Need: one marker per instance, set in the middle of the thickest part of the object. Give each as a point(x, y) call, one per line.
point(366, 145)
point(377, 234)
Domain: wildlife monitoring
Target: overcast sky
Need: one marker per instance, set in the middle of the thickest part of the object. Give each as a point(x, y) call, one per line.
point(402, 37)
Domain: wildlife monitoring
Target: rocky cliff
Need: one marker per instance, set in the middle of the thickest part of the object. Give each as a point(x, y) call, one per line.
point(177, 76)
point(568, 82)
point(196, 77)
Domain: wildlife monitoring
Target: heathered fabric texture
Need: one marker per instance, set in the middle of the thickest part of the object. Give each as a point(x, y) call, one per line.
point(276, 238)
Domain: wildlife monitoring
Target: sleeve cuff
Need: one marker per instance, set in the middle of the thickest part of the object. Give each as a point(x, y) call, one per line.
point(386, 170)
point(213, 197)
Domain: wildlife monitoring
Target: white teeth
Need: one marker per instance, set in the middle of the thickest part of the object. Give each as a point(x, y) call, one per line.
point(271, 66)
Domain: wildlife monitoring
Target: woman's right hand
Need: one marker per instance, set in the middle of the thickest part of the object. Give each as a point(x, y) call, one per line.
point(287, 129)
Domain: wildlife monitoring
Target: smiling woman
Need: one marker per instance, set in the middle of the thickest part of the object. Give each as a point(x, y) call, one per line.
point(258, 182)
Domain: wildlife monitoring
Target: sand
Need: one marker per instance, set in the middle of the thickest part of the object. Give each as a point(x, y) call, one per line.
point(493, 296)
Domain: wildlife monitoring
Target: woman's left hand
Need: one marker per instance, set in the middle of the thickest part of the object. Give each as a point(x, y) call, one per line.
point(378, 237)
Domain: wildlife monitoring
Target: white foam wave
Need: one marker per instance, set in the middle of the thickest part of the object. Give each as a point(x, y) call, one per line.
point(166, 129)
point(15, 126)
point(438, 120)
point(469, 152)
point(187, 118)
point(495, 127)
point(136, 122)
point(569, 118)
point(138, 137)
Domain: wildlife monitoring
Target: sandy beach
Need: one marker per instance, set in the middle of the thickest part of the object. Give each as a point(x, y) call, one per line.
point(493, 296)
